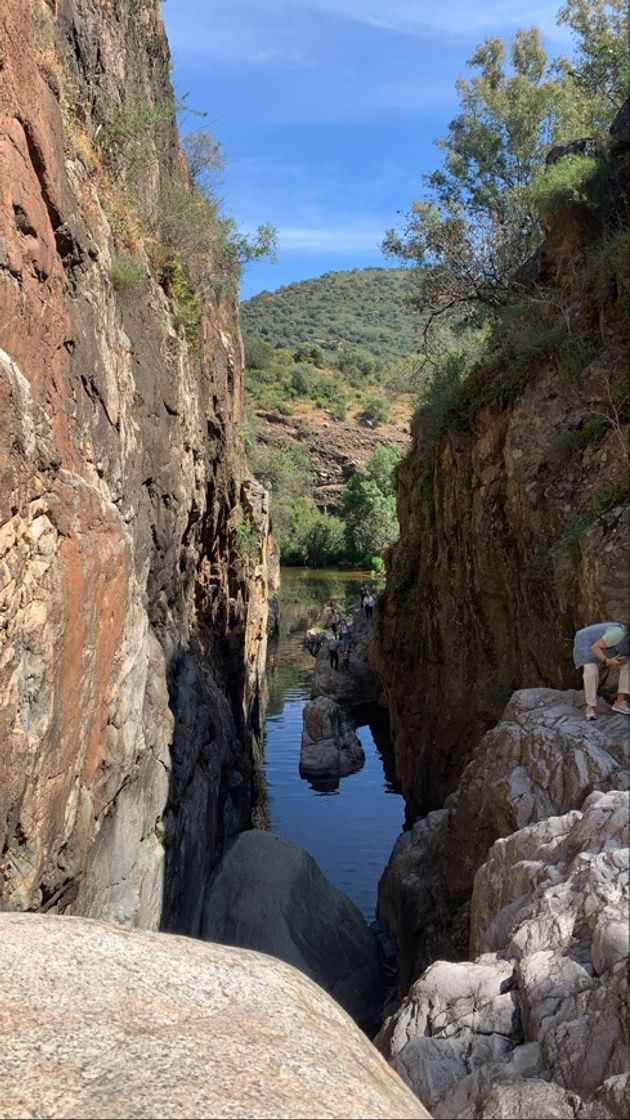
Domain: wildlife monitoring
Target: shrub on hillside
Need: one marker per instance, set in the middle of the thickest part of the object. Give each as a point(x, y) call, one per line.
point(375, 411)
point(309, 352)
point(126, 273)
point(258, 353)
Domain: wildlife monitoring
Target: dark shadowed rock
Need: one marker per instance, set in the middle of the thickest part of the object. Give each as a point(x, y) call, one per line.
point(588, 146)
point(271, 896)
point(620, 127)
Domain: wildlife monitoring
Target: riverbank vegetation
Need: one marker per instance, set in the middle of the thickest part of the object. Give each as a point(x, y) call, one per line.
point(307, 537)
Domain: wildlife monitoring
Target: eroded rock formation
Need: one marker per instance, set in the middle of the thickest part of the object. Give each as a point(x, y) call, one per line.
point(540, 761)
point(133, 622)
point(546, 999)
point(330, 747)
point(355, 685)
point(269, 895)
point(139, 1024)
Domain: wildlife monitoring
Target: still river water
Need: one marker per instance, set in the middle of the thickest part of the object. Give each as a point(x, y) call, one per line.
point(349, 830)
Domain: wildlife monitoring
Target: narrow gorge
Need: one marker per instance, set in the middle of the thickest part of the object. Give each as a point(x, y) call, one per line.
point(197, 917)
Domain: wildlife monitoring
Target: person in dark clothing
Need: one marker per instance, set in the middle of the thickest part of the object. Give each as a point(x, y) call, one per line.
point(345, 644)
point(333, 653)
point(368, 604)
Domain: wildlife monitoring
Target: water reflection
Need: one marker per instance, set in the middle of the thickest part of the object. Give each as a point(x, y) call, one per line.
point(349, 825)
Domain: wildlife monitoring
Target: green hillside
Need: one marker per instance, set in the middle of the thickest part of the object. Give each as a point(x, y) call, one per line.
point(365, 307)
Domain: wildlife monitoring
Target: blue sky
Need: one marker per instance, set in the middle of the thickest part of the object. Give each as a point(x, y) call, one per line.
point(327, 110)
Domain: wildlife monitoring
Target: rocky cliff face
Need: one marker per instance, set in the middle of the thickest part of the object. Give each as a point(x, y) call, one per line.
point(511, 537)
point(133, 621)
point(535, 1023)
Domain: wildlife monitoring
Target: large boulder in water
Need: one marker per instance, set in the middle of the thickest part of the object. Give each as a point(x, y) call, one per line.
point(269, 895)
point(101, 1021)
point(330, 747)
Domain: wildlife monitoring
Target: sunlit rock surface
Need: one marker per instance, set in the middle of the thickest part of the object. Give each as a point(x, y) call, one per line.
point(101, 1022)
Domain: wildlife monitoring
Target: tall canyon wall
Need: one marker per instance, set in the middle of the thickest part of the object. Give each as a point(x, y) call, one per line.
point(132, 617)
point(514, 522)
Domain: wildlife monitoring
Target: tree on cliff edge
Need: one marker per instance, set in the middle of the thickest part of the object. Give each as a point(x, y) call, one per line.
point(476, 223)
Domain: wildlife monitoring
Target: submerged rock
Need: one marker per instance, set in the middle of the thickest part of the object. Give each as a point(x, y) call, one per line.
point(99, 1021)
point(271, 896)
point(330, 747)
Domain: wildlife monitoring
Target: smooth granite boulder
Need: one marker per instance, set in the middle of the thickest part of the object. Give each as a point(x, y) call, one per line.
point(330, 747)
point(101, 1022)
point(269, 895)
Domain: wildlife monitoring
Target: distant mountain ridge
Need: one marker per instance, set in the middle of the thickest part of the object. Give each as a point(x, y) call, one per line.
point(366, 308)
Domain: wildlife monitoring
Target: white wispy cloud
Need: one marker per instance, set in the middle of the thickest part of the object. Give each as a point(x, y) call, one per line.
point(416, 17)
point(287, 33)
point(341, 239)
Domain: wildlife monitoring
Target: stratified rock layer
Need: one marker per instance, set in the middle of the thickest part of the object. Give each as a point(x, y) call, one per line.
point(100, 1022)
point(269, 895)
point(133, 629)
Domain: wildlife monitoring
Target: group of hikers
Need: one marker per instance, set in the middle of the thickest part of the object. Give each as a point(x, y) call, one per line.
point(341, 641)
point(602, 644)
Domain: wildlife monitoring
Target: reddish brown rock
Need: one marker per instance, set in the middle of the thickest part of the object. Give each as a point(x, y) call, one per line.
point(133, 630)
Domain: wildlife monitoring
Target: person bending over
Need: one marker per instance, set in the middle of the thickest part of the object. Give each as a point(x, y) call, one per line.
point(603, 643)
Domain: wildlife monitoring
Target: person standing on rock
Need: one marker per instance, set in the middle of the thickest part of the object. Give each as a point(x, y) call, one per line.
point(368, 603)
point(603, 643)
point(333, 653)
point(335, 621)
point(345, 645)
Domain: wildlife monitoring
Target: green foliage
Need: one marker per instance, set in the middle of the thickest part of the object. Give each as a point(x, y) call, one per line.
point(309, 352)
point(133, 136)
point(574, 180)
point(258, 353)
point(126, 273)
point(187, 309)
point(247, 538)
point(286, 472)
point(315, 539)
point(188, 221)
point(362, 310)
point(262, 244)
point(609, 494)
point(356, 361)
point(375, 411)
point(477, 223)
point(600, 68)
point(369, 507)
point(204, 156)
